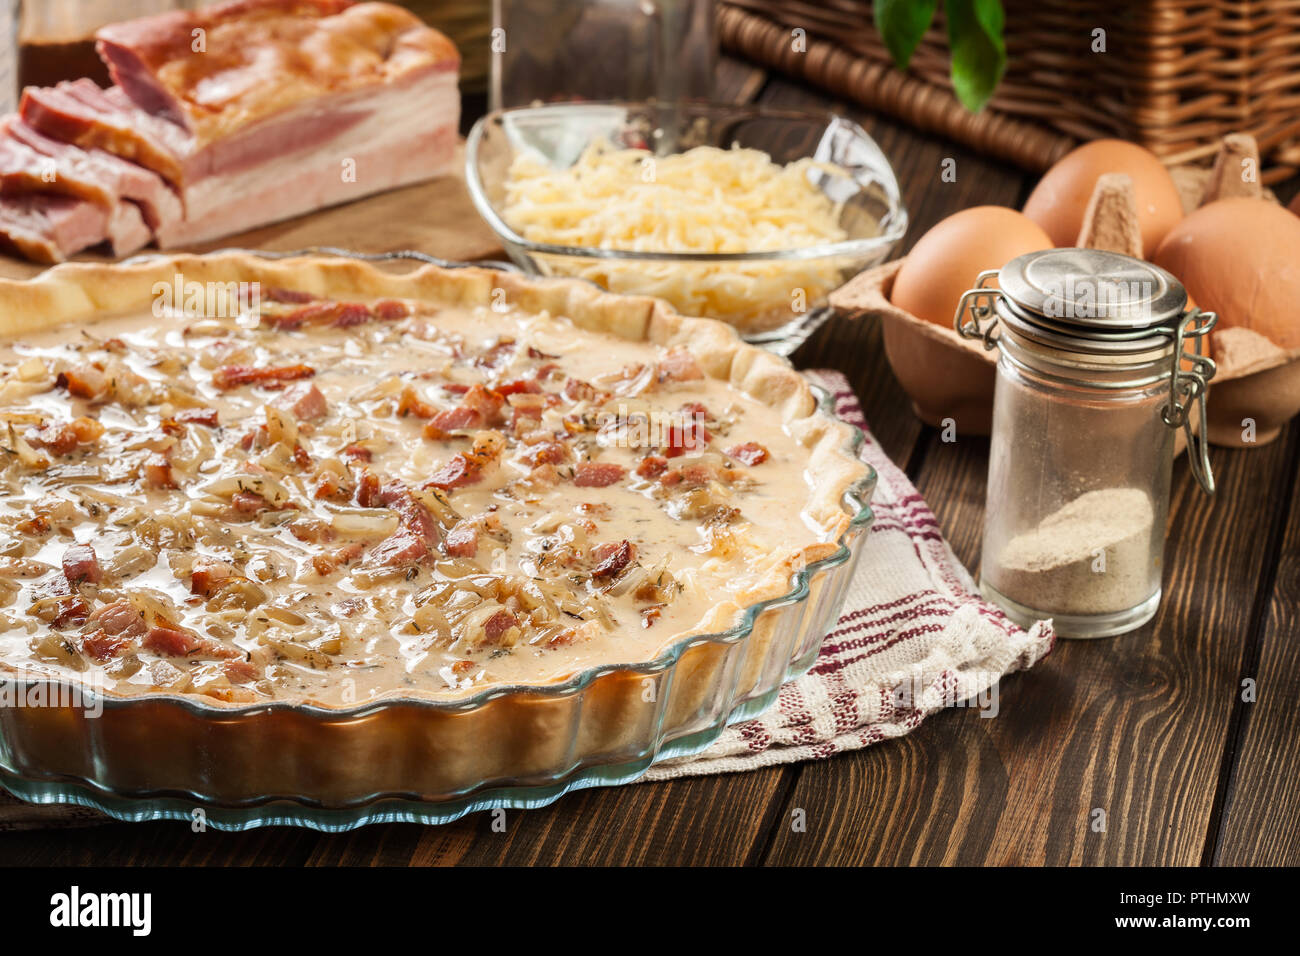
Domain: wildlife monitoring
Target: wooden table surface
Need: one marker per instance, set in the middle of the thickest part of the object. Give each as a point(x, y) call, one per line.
point(1150, 727)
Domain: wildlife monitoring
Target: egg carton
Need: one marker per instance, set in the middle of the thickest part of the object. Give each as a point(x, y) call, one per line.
point(950, 380)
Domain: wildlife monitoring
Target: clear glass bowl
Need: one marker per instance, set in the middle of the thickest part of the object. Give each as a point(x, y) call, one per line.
point(854, 174)
point(172, 757)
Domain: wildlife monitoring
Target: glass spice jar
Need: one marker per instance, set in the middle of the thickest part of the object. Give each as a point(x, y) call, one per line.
point(1099, 364)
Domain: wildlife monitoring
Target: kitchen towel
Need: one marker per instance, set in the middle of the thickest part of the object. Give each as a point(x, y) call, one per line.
point(914, 637)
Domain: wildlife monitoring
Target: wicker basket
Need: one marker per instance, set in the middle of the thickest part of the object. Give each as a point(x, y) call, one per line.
point(1177, 74)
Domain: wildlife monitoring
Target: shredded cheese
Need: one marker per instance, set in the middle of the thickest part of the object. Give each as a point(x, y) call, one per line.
point(705, 200)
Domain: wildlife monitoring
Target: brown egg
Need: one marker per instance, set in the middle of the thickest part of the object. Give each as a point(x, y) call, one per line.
point(1241, 258)
point(1061, 197)
point(946, 260)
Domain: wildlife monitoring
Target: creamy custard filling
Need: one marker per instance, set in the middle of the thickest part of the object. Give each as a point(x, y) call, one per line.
point(333, 501)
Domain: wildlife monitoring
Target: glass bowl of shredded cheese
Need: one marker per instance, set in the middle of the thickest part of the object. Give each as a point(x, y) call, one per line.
point(750, 215)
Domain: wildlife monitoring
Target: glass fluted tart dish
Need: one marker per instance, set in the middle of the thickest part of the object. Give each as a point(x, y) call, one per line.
point(305, 541)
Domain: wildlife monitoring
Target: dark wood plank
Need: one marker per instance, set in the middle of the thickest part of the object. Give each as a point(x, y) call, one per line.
point(1261, 818)
point(1133, 725)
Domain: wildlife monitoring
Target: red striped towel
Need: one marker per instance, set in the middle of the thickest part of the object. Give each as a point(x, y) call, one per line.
point(914, 637)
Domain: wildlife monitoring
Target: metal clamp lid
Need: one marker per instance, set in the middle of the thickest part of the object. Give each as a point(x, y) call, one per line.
point(1030, 301)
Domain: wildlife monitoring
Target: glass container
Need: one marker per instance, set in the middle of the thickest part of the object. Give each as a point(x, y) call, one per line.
point(1099, 364)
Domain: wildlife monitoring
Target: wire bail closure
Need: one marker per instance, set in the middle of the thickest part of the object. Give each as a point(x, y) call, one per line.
point(976, 318)
point(1188, 385)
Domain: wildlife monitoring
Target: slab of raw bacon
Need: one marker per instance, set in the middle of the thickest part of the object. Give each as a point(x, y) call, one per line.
point(292, 105)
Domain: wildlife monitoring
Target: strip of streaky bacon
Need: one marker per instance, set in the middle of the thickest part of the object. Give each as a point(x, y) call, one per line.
point(233, 376)
point(597, 474)
point(81, 566)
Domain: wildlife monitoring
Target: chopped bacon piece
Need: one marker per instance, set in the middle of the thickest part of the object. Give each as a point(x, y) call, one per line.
point(576, 390)
point(64, 438)
point(158, 472)
point(450, 420)
point(104, 647)
point(486, 403)
point(612, 558)
point(595, 474)
point(233, 376)
point(356, 452)
point(456, 473)
point(171, 641)
point(497, 355)
point(543, 476)
point(325, 564)
point(120, 618)
point(498, 624)
point(547, 453)
point(175, 642)
point(294, 296)
point(199, 416)
point(312, 530)
point(306, 401)
point(240, 672)
point(37, 524)
point(689, 436)
point(750, 453)
point(679, 366)
point(247, 502)
point(207, 576)
point(416, 534)
point(85, 382)
point(301, 457)
point(339, 314)
point(389, 309)
point(518, 386)
point(368, 490)
point(462, 540)
point(72, 610)
point(81, 566)
point(695, 410)
point(652, 466)
point(410, 403)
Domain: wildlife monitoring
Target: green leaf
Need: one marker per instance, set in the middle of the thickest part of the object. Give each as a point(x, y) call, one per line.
point(979, 54)
point(902, 23)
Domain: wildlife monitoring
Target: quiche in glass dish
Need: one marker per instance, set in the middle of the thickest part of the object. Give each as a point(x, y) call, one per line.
point(312, 541)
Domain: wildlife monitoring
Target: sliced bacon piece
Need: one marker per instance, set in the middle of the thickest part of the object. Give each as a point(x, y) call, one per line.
point(597, 474)
point(689, 436)
point(199, 416)
point(355, 452)
point(240, 672)
point(486, 402)
point(306, 401)
point(749, 453)
point(81, 566)
point(497, 625)
point(410, 403)
point(233, 376)
point(462, 540)
point(207, 576)
point(547, 453)
point(458, 472)
point(84, 381)
point(368, 490)
point(652, 466)
point(320, 313)
point(324, 564)
point(612, 558)
point(158, 472)
point(518, 386)
point(171, 641)
point(63, 438)
point(119, 619)
point(678, 365)
point(102, 647)
point(450, 420)
point(416, 535)
point(576, 390)
point(247, 503)
point(390, 309)
point(72, 610)
point(292, 296)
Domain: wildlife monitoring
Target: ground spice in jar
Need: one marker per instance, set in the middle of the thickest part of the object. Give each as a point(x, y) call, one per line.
point(1093, 556)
